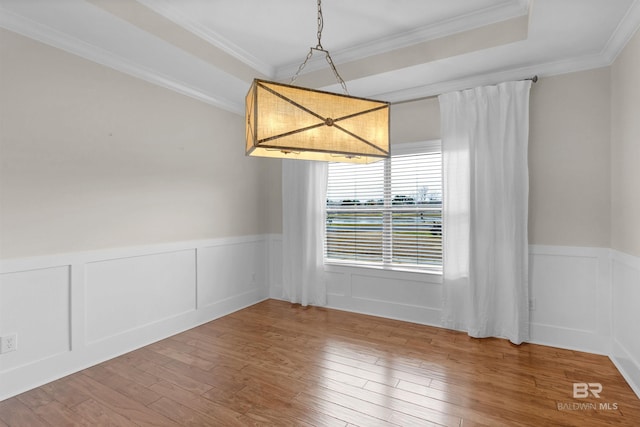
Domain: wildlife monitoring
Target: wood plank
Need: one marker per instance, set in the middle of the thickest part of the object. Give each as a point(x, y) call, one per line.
point(185, 416)
point(65, 392)
point(100, 415)
point(412, 375)
point(214, 351)
point(57, 414)
point(172, 375)
point(15, 413)
point(180, 352)
point(120, 367)
point(222, 414)
point(134, 411)
point(419, 396)
point(365, 398)
point(341, 412)
point(35, 398)
point(122, 385)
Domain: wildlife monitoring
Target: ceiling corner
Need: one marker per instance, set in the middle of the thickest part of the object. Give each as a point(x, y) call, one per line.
point(626, 29)
point(171, 12)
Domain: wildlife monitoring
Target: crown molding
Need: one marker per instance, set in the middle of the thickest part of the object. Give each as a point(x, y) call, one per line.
point(52, 37)
point(623, 33)
point(171, 12)
point(469, 21)
point(627, 28)
point(573, 65)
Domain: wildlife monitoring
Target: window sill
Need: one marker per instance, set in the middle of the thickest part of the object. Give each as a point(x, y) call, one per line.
point(429, 276)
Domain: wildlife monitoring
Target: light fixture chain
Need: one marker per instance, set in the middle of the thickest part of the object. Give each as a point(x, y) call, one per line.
point(320, 25)
point(301, 67)
point(335, 71)
point(320, 48)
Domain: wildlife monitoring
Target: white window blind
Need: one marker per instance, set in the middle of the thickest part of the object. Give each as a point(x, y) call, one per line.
point(387, 213)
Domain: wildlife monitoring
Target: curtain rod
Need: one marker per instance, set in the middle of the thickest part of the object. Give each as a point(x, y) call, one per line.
point(533, 79)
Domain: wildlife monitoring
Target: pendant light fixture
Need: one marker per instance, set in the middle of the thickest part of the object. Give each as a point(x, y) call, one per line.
point(286, 121)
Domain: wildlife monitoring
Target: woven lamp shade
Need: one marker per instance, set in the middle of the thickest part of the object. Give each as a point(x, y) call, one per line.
point(285, 121)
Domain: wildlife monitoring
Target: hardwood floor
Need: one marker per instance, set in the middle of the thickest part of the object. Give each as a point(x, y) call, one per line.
point(280, 364)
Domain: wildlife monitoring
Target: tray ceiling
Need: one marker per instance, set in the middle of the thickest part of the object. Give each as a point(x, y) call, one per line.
point(386, 49)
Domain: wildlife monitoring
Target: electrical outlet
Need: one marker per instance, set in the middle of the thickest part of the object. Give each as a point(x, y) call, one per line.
point(8, 343)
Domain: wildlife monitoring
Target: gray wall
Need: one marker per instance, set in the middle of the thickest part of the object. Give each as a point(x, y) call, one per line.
point(569, 152)
point(92, 158)
point(625, 150)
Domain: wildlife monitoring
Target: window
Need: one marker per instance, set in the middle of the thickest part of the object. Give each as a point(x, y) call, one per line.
point(388, 213)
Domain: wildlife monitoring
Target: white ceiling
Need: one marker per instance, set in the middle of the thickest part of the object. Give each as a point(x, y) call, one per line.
point(386, 49)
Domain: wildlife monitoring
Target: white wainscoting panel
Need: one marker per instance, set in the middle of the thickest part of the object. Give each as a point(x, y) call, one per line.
point(571, 292)
point(72, 311)
point(226, 271)
point(275, 266)
point(409, 296)
point(35, 305)
point(139, 290)
point(626, 317)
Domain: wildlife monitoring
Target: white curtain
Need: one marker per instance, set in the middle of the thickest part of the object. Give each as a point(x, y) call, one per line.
point(486, 186)
point(304, 193)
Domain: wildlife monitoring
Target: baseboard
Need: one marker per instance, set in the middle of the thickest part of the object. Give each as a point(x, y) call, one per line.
point(625, 351)
point(405, 312)
point(569, 339)
point(628, 367)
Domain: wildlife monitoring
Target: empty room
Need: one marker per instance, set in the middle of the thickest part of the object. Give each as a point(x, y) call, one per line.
point(319, 213)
